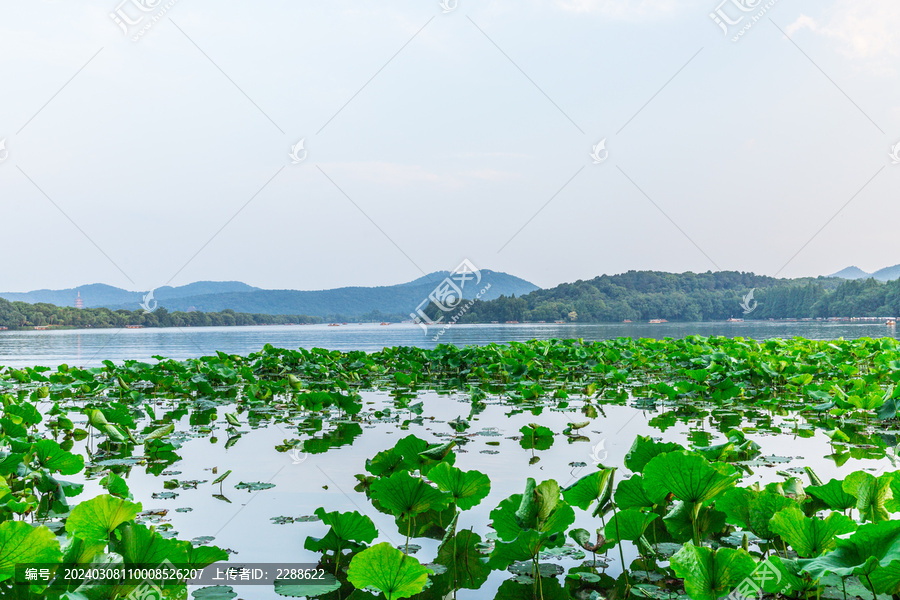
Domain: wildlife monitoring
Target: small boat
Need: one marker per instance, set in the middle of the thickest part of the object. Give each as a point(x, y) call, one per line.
point(512, 322)
point(890, 322)
point(657, 321)
point(627, 321)
point(733, 320)
point(559, 322)
point(385, 323)
point(334, 324)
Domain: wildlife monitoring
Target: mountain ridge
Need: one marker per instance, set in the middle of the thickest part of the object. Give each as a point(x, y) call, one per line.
point(854, 272)
point(210, 296)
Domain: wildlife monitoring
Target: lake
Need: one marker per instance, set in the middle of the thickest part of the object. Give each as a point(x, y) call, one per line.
point(283, 456)
point(89, 347)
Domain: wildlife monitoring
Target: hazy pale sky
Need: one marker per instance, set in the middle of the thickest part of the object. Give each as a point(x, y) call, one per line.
point(435, 133)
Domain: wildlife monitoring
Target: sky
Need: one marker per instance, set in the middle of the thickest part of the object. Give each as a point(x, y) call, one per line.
point(151, 142)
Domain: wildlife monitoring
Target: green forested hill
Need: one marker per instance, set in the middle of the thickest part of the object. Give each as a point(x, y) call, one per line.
point(645, 295)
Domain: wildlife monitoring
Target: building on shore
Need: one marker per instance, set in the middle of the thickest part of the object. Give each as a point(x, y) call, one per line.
point(79, 301)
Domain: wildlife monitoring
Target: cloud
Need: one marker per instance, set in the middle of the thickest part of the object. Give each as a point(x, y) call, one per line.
point(864, 29)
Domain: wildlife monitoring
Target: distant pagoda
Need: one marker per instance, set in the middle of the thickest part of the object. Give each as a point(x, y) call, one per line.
point(79, 302)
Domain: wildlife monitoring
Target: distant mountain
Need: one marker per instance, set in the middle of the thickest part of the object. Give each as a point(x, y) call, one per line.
point(851, 273)
point(99, 295)
point(885, 274)
point(348, 302)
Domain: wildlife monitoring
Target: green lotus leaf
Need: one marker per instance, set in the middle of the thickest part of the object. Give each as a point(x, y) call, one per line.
point(386, 462)
point(93, 520)
point(138, 544)
point(388, 570)
point(116, 486)
point(644, 449)
point(537, 509)
point(525, 546)
point(466, 488)
point(160, 432)
point(419, 455)
point(628, 525)
point(254, 486)
point(438, 452)
point(596, 487)
point(463, 559)
point(52, 457)
point(536, 437)
point(888, 408)
point(763, 507)
point(708, 574)
point(410, 454)
point(200, 557)
point(546, 497)
point(679, 521)
point(779, 576)
point(689, 477)
point(871, 494)
point(309, 588)
point(871, 553)
point(752, 509)
point(582, 537)
point(550, 589)
point(221, 477)
point(78, 552)
point(630, 494)
point(833, 495)
point(218, 592)
point(810, 537)
point(405, 495)
point(22, 542)
point(348, 529)
point(503, 518)
point(526, 513)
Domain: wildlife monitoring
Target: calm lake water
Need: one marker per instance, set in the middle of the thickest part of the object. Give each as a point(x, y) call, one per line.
point(242, 521)
point(89, 347)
